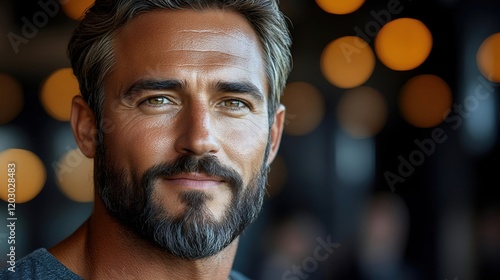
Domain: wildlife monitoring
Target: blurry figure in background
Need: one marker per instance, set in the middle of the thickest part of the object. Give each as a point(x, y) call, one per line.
point(290, 242)
point(488, 240)
point(383, 239)
point(377, 250)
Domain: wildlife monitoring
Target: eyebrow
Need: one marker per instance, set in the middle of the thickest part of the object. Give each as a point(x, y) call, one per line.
point(152, 85)
point(240, 87)
point(220, 86)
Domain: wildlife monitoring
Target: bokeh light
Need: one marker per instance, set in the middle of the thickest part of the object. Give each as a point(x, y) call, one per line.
point(29, 174)
point(403, 44)
point(347, 62)
point(425, 101)
point(339, 7)
point(354, 163)
point(75, 9)
point(488, 58)
point(305, 108)
point(362, 112)
point(75, 176)
point(11, 98)
point(57, 92)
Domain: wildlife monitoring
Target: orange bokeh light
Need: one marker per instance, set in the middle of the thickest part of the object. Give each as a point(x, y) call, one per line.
point(347, 62)
point(24, 171)
point(57, 92)
point(339, 7)
point(488, 58)
point(425, 101)
point(403, 44)
point(11, 98)
point(75, 176)
point(305, 108)
point(362, 112)
point(75, 9)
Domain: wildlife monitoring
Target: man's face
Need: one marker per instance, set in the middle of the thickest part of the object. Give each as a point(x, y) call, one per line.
point(185, 163)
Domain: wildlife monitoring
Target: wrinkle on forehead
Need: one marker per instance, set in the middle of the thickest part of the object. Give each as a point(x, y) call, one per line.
point(211, 64)
point(225, 54)
point(236, 45)
point(236, 34)
point(222, 33)
point(226, 23)
point(233, 32)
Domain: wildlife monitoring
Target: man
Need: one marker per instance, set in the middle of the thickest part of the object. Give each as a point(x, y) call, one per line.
point(180, 111)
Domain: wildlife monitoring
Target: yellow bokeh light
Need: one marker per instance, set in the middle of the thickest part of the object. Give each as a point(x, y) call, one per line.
point(488, 58)
point(362, 112)
point(305, 108)
point(403, 44)
point(11, 98)
point(339, 7)
point(75, 176)
point(57, 92)
point(27, 173)
point(75, 9)
point(425, 100)
point(347, 62)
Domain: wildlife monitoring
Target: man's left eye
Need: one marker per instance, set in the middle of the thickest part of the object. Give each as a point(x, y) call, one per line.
point(233, 103)
point(157, 100)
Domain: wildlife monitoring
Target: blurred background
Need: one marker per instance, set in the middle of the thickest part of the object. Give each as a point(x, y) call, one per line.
point(387, 169)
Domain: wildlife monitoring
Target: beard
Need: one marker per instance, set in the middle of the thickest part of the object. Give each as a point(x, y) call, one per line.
point(195, 233)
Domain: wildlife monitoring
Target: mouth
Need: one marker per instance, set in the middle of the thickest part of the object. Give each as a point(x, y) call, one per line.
point(197, 181)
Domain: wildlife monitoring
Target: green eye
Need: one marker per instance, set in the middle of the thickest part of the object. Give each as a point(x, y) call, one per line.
point(233, 103)
point(157, 100)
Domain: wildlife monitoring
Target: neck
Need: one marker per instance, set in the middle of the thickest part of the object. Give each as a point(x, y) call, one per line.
point(102, 248)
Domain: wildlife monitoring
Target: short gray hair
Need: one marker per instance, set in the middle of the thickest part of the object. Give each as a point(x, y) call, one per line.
point(91, 46)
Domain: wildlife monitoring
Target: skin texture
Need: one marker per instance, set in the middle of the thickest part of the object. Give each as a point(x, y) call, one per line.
point(212, 100)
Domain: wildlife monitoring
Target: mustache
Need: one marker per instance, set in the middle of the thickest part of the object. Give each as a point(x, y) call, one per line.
point(208, 165)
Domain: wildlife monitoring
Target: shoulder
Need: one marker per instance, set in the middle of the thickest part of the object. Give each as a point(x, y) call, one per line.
point(39, 265)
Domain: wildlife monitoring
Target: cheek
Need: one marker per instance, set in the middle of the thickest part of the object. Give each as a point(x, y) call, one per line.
point(138, 143)
point(245, 144)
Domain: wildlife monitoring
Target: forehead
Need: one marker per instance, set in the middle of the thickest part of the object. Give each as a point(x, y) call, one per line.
point(187, 38)
point(175, 22)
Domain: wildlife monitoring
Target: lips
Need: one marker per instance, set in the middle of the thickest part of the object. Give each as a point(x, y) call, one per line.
point(194, 181)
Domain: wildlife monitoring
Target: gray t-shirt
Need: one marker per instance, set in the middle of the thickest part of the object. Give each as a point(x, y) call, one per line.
point(42, 265)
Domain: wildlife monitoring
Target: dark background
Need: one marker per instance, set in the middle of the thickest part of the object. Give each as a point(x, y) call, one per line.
point(442, 222)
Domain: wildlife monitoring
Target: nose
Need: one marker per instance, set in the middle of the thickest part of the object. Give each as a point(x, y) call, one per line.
point(196, 132)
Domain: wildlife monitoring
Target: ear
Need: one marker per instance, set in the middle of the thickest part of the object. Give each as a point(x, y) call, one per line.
point(276, 132)
point(84, 126)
